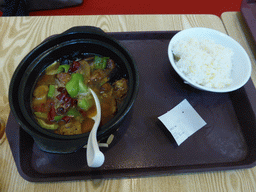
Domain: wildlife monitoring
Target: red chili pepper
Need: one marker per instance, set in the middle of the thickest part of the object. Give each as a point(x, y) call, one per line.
point(60, 96)
point(63, 94)
point(67, 106)
point(75, 66)
point(61, 89)
point(52, 112)
point(67, 99)
point(73, 102)
point(66, 119)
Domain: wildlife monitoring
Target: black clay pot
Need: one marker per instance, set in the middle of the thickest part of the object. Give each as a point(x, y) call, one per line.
point(72, 43)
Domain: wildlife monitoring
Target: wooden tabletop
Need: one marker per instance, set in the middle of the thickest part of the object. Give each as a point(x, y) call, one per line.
point(20, 34)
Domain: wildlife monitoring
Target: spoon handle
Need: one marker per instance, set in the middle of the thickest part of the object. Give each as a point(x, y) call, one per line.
point(95, 157)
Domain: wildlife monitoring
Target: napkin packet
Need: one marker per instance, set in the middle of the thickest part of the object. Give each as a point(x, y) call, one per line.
point(182, 121)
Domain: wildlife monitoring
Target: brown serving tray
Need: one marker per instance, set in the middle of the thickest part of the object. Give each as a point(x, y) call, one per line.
point(248, 10)
point(142, 146)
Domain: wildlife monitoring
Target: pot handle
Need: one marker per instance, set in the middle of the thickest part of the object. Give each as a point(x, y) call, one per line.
point(85, 29)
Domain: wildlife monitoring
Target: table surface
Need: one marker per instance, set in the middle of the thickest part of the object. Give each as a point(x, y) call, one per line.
point(20, 34)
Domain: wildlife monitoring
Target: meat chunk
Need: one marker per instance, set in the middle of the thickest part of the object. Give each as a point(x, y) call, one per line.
point(97, 76)
point(111, 64)
point(46, 80)
point(71, 128)
point(84, 69)
point(63, 78)
point(106, 90)
point(120, 89)
point(108, 109)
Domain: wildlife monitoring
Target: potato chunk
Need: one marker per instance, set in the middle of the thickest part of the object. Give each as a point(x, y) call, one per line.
point(40, 94)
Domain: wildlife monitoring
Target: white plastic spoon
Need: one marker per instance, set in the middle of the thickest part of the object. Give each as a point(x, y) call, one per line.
point(95, 157)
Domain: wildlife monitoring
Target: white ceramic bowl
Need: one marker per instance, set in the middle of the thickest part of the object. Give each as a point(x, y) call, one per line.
point(241, 69)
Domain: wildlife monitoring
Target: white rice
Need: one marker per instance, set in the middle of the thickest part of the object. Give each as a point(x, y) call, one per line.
point(204, 62)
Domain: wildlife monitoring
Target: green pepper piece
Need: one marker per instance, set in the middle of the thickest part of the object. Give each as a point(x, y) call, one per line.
point(100, 62)
point(76, 85)
point(82, 87)
point(72, 86)
point(73, 113)
point(64, 68)
point(84, 104)
point(40, 115)
point(45, 125)
point(51, 91)
point(58, 118)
